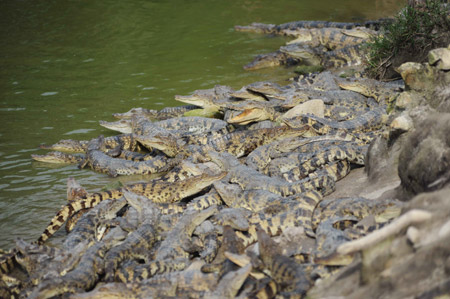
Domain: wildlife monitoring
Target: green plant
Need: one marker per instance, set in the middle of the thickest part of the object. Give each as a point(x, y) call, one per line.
point(414, 32)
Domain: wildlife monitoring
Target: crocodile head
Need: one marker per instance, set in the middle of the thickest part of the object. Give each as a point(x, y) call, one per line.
point(267, 60)
point(122, 126)
point(228, 192)
point(57, 158)
point(301, 35)
point(207, 98)
point(167, 143)
point(306, 54)
point(266, 88)
point(251, 115)
point(136, 111)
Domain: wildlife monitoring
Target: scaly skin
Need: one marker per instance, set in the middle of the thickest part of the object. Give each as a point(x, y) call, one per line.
point(281, 29)
point(285, 271)
point(124, 141)
point(207, 98)
point(381, 92)
point(139, 241)
point(278, 217)
point(58, 157)
point(331, 38)
point(238, 143)
point(86, 228)
point(157, 191)
point(165, 113)
point(248, 178)
point(171, 247)
point(263, 155)
point(101, 162)
point(300, 164)
point(367, 122)
point(145, 271)
point(84, 277)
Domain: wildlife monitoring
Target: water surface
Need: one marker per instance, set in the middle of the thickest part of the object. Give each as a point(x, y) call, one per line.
point(65, 65)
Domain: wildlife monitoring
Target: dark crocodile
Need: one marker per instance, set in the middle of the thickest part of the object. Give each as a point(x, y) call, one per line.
point(157, 191)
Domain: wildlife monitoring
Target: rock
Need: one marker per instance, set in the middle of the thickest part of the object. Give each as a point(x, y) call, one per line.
point(315, 107)
point(424, 162)
point(407, 99)
point(402, 123)
point(417, 76)
point(440, 58)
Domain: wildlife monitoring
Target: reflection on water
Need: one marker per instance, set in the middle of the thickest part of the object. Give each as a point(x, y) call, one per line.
point(67, 65)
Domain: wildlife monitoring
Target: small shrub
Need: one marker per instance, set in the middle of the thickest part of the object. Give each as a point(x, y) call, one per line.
point(415, 30)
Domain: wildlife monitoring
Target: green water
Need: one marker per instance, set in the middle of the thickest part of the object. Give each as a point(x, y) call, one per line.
point(65, 65)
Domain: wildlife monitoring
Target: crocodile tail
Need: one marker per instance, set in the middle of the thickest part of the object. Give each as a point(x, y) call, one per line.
point(71, 208)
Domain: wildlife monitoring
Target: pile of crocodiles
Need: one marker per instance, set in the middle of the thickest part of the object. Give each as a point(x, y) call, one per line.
point(229, 194)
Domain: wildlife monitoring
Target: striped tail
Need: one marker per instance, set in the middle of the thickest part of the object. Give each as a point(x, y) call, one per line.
point(71, 208)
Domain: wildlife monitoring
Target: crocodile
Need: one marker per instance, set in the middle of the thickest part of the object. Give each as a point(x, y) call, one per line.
point(368, 121)
point(171, 246)
point(230, 284)
point(180, 125)
point(165, 113)
point(256, 200)
point(277, 217)
point(230, 243)
point(82, 278)
point(276, 114)
point(58, 158)
point(103, 163)
point(156, 191)
point(282, 28)
point(137, 242)
point(86, 227)
point(248, 178)
point(284, 270)
point(331, 38)
point(238, 143)
point(276, 58)
point(263, 155)
point(382, 92)
point(347, 56)
point(212, 98)
point(358, 207)
point(299, 165)
point(205, 201)
point(141, 272)
point(124, 141)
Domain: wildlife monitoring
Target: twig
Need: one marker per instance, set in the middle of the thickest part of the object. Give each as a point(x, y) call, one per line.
point(413, 216)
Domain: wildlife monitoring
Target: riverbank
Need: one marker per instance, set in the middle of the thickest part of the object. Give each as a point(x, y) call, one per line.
point(173, 259)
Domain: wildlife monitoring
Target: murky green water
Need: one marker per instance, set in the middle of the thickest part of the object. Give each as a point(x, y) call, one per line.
point(65, 65)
